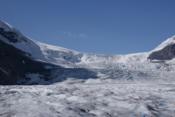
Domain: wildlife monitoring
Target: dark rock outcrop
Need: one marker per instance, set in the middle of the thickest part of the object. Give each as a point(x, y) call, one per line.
point(167, 53)
point(15, 64)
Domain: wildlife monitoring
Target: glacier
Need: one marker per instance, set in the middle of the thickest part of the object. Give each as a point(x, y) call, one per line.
point(84, 84)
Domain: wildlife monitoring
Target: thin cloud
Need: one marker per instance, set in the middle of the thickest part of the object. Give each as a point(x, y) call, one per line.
point(72, 35)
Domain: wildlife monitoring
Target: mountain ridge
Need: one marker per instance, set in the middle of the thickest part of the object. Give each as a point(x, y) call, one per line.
point(77, 65)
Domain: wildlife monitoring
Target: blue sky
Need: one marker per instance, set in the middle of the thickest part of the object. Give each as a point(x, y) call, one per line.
point(95, 26)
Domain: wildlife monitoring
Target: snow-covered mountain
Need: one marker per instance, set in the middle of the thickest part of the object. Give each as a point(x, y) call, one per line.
point(139, 66)
point(24, 61)
point(83, 85)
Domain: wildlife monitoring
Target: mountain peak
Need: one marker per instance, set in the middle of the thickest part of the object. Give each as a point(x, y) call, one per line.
point(165, 43)
point(5, 25)
point(165, 51)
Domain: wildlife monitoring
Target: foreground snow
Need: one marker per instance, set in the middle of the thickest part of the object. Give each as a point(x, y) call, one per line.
point(89, 99)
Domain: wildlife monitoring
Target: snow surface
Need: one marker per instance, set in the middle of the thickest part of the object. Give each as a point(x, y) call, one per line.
point(59, 55)
point(89, 99)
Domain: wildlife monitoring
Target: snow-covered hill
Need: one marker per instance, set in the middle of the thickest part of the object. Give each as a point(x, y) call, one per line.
point(83, 84)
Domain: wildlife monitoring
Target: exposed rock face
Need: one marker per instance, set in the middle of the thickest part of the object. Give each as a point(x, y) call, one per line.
point(14, 64)
point(167, 53)
point(11, 36)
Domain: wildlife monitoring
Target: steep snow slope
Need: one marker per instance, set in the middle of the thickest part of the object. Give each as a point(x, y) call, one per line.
point(59, 56)
point(10, 35)
point(5, 26)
